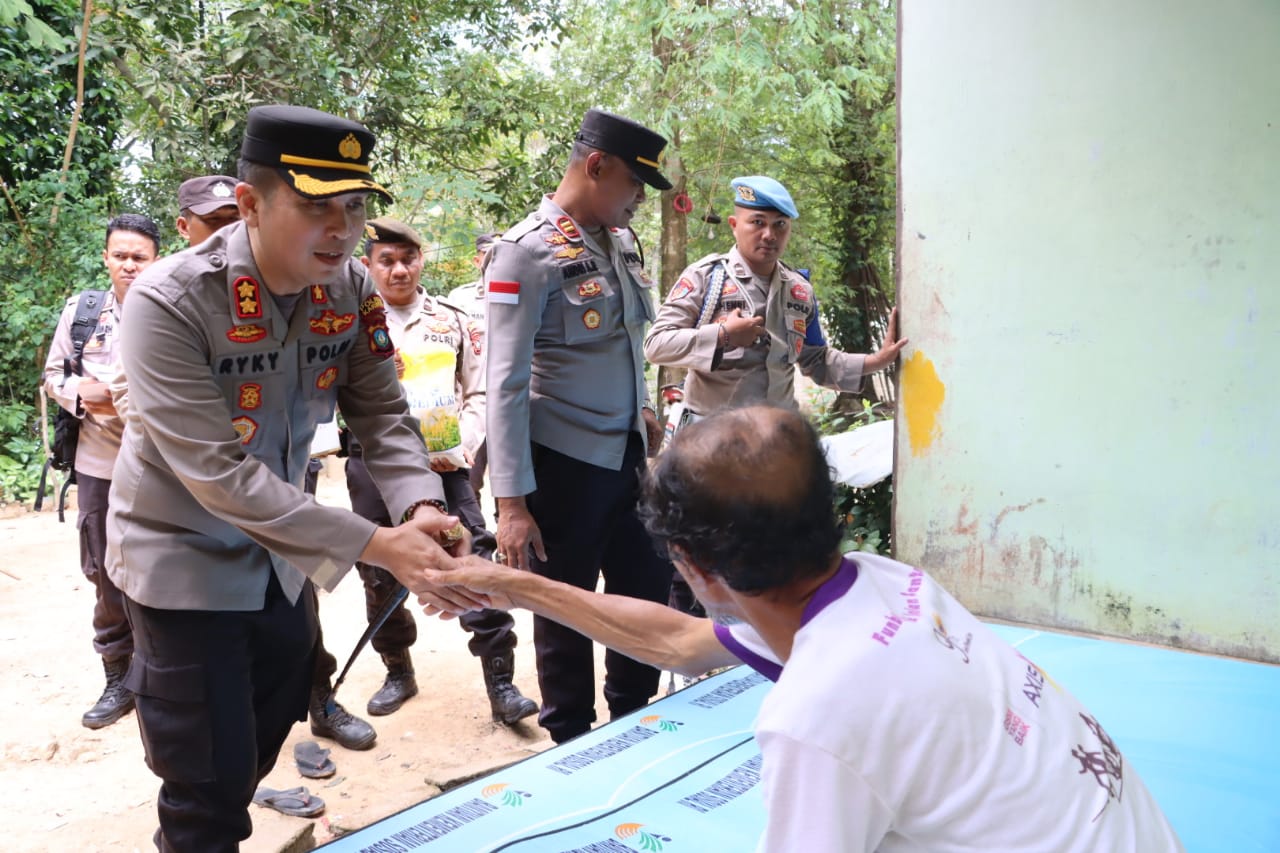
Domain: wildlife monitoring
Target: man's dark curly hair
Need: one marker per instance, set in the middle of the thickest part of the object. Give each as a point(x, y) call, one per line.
point(746, 495)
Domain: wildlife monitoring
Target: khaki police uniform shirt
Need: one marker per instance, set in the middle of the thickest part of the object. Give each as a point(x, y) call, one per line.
point(470, 298)
point(439, 321)
point(99, 435)
point(764, 372)
point(225, 394)
point(566, 320)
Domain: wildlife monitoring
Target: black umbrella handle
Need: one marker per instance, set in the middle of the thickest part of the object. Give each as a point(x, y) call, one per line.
point(395, 601)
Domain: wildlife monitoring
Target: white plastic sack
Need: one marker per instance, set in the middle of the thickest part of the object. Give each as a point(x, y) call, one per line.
point(325, 441)
point(861, 457)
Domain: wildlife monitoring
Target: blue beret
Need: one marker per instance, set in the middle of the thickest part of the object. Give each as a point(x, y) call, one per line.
point(760, 193)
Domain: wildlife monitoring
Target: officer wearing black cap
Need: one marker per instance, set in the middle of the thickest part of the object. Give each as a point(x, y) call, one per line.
point(569, 418)
point(235, 350)
point(206, 204)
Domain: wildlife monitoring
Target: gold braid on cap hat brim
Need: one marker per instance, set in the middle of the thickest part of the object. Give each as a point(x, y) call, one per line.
point(308, 185)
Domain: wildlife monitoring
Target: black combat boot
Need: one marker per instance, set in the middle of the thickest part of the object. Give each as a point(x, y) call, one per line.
point(331, 720)
point(399, 687)
point(508, 704)
point(116, 700)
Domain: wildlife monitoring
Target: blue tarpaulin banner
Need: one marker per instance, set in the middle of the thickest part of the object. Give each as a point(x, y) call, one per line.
point(683, 774)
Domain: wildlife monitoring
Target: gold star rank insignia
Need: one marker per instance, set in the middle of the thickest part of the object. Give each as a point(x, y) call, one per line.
point(248, 302)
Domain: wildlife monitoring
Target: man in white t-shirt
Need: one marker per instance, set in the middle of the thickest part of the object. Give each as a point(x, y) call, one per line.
point(898, 722)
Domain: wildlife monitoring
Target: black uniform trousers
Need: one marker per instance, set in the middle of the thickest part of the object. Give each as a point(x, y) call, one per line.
point(217, 693)
point(112, 637)
point(491, 630)
point(587, 517)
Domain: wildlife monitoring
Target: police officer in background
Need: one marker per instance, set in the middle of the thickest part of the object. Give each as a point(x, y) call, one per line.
point(470, 298)
point(83, 388)
point(205, 205)
point(742, 321)
point(234, 351)
point(425, 326)
point(569, 416)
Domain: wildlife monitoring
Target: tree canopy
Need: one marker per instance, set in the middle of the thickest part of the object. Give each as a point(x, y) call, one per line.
point(106, 106)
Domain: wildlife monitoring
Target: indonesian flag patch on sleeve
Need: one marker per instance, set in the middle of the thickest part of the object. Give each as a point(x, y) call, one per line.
point(504, 292)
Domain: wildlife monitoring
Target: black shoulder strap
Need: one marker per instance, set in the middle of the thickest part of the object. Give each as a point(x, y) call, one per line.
point(85, 320)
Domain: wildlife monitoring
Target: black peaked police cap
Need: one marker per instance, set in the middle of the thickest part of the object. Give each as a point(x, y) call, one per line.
point(318, 154)
point(631, 141)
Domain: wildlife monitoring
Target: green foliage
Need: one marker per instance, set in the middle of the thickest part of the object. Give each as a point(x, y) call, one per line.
point(38, 97)
point(40, 266)
point(21, 452)
point(867, 514)
point(439, 82)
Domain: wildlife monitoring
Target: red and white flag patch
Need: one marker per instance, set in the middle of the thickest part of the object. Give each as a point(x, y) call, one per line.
point(504, 292)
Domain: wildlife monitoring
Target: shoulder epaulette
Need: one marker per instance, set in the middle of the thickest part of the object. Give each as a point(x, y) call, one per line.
point(527, 225)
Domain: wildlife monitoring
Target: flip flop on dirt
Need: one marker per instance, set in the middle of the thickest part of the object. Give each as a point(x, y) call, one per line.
point(313, 761)
point(295, 801)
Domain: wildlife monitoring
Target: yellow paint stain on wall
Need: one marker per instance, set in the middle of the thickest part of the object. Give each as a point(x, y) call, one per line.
point(922, 395)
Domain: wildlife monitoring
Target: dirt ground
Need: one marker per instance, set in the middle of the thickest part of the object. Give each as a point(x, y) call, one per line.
point(67, 788)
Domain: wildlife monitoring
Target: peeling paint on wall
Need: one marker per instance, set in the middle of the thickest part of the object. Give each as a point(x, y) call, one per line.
point(922, 396)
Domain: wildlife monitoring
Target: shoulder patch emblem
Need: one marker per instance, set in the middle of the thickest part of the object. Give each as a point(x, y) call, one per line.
point(590, 288)
point(318, 296)
point(591, 319)
point(373, 319)
point(250, 396)
point(248, 298)
point(330, 323)
point(476, 335)
point(326, 378)
point(246, 428)
point(682, 289)
point(246, 334)
point(566, 227)
point(799, 345)
point(800, 292)
point(799, 325)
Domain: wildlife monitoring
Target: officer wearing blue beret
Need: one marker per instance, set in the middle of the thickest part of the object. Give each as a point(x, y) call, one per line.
point(742, 321)
point(569, 418)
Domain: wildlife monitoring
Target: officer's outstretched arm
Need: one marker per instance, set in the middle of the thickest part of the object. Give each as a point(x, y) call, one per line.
point(648, 632)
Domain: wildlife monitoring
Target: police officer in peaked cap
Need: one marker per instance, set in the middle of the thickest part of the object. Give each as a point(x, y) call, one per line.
point(569, 416)
point(234, 351)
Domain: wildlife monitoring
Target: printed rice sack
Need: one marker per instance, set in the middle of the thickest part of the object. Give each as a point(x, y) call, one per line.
point(430, 387)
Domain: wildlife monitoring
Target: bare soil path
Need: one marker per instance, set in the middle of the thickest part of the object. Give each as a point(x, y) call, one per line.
point(66, 788)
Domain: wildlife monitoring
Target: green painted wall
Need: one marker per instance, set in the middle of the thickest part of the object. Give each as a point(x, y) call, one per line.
point(1089, 251)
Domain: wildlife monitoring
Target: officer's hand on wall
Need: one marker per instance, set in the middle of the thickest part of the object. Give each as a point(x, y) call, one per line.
point(887, 353)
